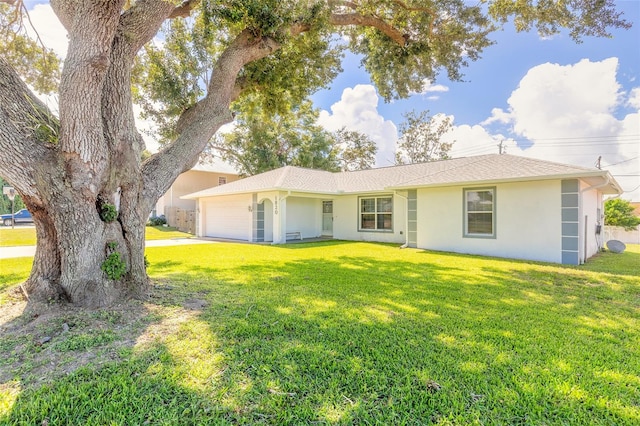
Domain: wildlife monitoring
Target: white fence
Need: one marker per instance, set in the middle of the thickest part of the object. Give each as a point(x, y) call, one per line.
point(618, 233)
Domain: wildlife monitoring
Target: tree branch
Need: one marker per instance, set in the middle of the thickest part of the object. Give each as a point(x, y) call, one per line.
point(377, 22)
point(81, 85)
point(141, 23)
point(369, 21)
point(66, 11)
point(21, 151)
point(199, 123)
point(136, 27)
point(184, 10)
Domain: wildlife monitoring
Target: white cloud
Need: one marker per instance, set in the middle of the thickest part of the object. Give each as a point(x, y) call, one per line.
point(498, 115)
point(567, 111)
point(49, 28)
point(554, 101)
point(472, 140)
point(634, 98)
point(429, 87)
point(357, 110)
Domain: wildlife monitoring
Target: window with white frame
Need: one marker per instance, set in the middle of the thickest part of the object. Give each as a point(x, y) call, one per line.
point(479, 212)
point(375, 213)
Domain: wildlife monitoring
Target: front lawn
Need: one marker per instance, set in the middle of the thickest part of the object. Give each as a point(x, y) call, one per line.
point(17, 236)
point(334, 333)
point(27, 236)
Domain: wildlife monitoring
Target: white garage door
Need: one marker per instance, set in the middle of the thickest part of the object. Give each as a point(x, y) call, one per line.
point(228, 217)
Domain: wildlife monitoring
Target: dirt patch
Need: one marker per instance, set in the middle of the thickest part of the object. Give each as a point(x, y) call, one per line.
point(41, 342)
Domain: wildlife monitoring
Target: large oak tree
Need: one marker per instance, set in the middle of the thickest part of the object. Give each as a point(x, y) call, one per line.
point(81, 174)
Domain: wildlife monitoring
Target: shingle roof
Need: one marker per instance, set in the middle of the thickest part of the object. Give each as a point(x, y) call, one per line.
point(467, 170)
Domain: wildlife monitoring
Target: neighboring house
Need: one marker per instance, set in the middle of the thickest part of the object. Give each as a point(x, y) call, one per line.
point(494, 205)
point(198, 178)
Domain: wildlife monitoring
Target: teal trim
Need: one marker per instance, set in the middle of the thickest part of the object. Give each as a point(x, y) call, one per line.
point(412, 218)
point(569, 243)
point(570, 185)
point(570, 233)
point(570, 258)
point(570, 214)
point(376, 213)
point(570, 229)
point(569, 200)
point(259, 224)
point(494, 233)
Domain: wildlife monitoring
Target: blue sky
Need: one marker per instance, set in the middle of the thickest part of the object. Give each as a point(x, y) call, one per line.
point(544, 98)
point(570, 102)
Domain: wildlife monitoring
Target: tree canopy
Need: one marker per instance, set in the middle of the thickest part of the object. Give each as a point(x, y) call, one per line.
point(619, 212)
point(402, 43)
point(82, 174)
point(421, 138)
point(263, 140)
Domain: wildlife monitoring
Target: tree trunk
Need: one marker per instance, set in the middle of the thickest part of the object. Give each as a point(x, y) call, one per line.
point(83, 255)
point(74, 242)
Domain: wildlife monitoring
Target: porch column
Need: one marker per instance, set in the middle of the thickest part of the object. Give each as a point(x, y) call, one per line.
point(280, 220)
point(200, 218)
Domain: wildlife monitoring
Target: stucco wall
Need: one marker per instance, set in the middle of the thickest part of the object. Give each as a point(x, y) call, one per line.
point(528, 221)
point(304, 215)
point(591, 204)
point(345, 220)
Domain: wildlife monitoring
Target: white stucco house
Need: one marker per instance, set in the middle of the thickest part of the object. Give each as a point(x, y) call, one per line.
point(495, 205)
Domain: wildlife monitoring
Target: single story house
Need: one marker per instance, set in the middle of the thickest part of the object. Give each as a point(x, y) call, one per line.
point(494, 205)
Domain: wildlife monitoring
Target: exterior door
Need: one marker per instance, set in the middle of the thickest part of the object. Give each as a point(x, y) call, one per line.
point(327, 218)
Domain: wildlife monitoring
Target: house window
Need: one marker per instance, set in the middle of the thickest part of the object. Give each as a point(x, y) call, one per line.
point(376, 214)
point(479, 212)
point(222, 180)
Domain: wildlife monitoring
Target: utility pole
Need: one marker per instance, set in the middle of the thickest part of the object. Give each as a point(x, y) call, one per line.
point(501, 148)
point(11, 194)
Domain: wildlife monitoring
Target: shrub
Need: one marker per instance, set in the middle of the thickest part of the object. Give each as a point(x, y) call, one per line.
point(113, 265)
point(157, 221)
point(618, 212)
point(108, 212)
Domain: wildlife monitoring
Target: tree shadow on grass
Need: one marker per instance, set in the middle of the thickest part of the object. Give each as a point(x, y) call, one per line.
point(370, 343)
point(141, 389)
point(360, 340)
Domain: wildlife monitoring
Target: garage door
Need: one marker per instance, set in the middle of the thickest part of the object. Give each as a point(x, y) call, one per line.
point(228, 217)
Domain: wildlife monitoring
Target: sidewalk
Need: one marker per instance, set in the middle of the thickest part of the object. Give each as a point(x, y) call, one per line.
point(30, 251)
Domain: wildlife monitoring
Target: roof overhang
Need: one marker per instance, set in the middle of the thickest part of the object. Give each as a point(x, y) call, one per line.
point(204, 194)
point(607, 183)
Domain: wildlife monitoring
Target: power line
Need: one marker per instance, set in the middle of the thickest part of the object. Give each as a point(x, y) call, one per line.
point(590, 137)
point(625, 161)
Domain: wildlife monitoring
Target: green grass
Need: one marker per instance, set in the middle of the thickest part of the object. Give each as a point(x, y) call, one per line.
point(164, 233)
point(27, 236)
point(17, 237)
point(338, 333)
